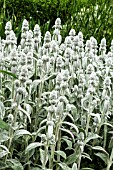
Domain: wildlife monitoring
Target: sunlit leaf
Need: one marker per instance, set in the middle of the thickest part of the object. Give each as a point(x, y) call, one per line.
point(33, 146)
point(25, 112)
point(71, 158)
point(99, 148)
point(93, 136)
point(103, 156)
point(61, 153)
point(74, 167)
point(72, 125)
point(85, 155)
point(21, 132)
point(15, 164)
point(67, 131)
point(64, 166)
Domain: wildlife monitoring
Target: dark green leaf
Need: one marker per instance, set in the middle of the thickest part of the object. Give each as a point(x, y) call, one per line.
point(9, 73)
point(4, 125)
point(71, 158)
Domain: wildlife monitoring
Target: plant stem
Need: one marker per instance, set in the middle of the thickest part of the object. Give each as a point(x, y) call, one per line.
point(52, 157)
point(58, 147)
point(105, 135)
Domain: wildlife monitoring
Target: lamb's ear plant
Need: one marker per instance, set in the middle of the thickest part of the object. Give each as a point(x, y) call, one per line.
point(56, 99)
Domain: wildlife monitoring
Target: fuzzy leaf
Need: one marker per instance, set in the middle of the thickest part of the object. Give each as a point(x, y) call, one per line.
point(94, 136)
point(100, 149)
point(61, 153)
point(4, 151)
point(2, 110)
point(69, 143)
point(67, 131)
point(15, 164)
point(53, 76)
point(74, 167)
point(42, 157)
point(108, 124)
point(4, 125)
point(72, 125)
point(71, 158)
point(35, 83)
point(33, 146)
point(64, 166)
point(21, 132)
point(25, 112)
point(87, 169)
point(111, 143)
point(103, 156)
point(85, 155)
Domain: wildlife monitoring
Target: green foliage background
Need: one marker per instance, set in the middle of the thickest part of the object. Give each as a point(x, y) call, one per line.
point(44, 12)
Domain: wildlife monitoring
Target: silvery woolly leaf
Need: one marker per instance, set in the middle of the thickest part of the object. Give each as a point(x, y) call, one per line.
point(68, 131)
point(2, 110)
point(61, 153)
point(33, 146)
point(28, 108)
point(72, 158)
point(87, 169)
point(35, 83)
point(108, 124)
point(64, 166)
point(103, 156)
point(43, 158)
point(74, 167)
point(53, 76)
point(93, 136)
point(15, 164)
point(85, 155)
point(111, 143)
point(3, 151)
point(68, 142)
point(21, 132)
point(4, 136)
point(99, 148)
point(71, 125)
point(25, 112)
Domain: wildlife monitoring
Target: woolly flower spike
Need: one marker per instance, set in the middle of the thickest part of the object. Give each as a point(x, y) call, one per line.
point(80, 36)
point(13, 38)
point(111, 48)
point(37, 31)
point(10, 118)
point(68, 41)
point(72, 32)
point(57, 24)
point(88, 45)
point(103, 42)
point(8, 26)
point(25, 25)
point(65, 74)
point(90, 69)
point(47, 37)
point(50, 125)
point(53, 97)
point(43, 138)
point(107, 81)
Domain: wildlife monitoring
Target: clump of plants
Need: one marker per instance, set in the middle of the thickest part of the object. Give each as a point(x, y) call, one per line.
point(55, 100)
